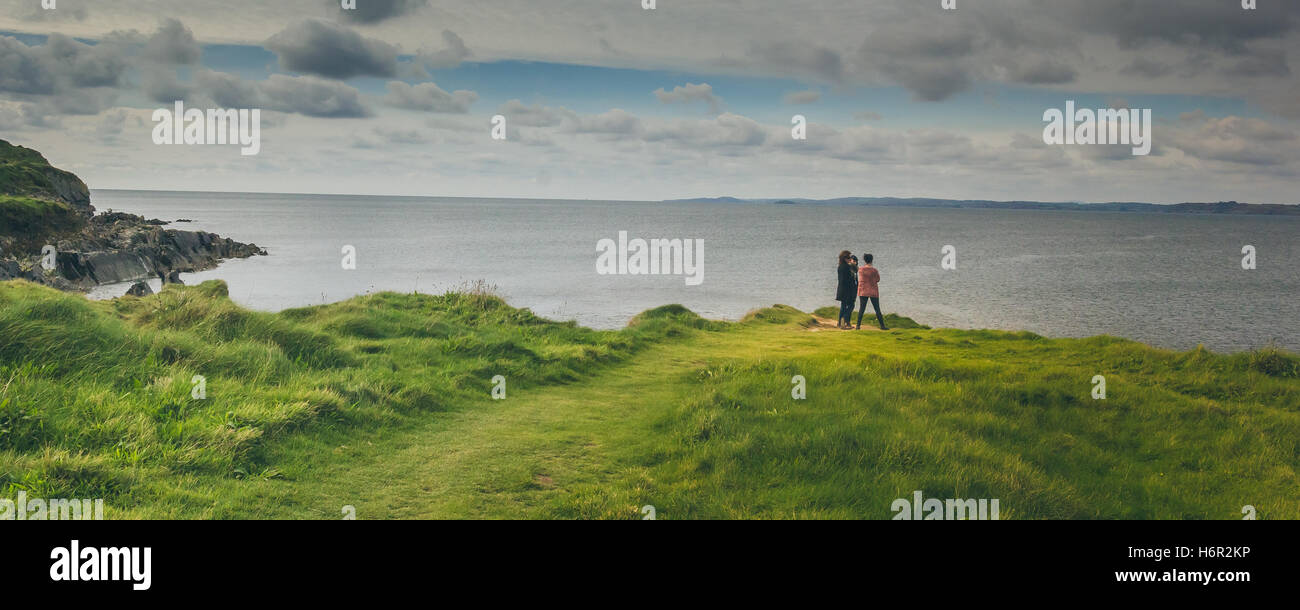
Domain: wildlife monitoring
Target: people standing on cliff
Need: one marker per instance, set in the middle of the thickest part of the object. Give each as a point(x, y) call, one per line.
point(853, 273)
point(869, 289)
point(845, 290)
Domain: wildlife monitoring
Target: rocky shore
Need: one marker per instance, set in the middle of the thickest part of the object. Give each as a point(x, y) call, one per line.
point(51, 235)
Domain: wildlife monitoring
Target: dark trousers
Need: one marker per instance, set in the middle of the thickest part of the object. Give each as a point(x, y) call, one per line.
point(875, 302)
point(846, 311)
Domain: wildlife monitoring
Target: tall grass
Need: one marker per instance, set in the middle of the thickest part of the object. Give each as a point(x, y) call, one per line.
point(96, 395)
point(693, 416)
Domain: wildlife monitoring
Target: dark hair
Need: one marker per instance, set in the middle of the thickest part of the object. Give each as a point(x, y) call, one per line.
point(844, 257)
point(868, 258)
point(853, 258)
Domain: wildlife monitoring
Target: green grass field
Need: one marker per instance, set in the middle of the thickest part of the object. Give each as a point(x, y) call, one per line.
point(384, 403)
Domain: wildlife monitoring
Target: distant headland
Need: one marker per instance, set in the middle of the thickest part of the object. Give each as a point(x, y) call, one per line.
point(1220, 207)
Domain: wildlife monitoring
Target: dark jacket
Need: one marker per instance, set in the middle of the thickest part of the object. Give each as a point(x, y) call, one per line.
point(847, 288)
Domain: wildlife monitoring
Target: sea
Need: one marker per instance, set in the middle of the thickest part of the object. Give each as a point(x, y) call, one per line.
point(1170, 280)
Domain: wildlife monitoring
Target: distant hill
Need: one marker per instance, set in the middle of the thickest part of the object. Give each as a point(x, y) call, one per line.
point(1221, 207)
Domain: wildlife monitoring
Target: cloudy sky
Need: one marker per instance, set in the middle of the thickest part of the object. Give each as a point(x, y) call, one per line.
point(604, 99)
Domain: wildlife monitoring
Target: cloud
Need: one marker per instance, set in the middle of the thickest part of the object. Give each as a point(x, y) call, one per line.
point(23, 70)
point(63, 74)
point(933, 63)
point(803, 97)
point(690, 93)
point(428, 97)
point(1268, 62)
point(173, 43)
point(85, 65)
point(312, 96)
point(162, 85)
point(325, 49)
point(799, 59)
point(613, 122)
point(725, 130)
point(374, 11)
point(1233, 139)
point(451, 55)
point(67, 10)
point(519, 113)
point(1192, 23)
point(227, 90)
point(1045, 72)
point(401, 136)
point(305, 95)
point(1147, 68)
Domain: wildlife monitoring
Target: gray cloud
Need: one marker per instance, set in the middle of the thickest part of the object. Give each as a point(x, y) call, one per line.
point(162, 85)
point(726, 130)
point(1265, 62)
point(1190, 23)
point(932, 63)
point(173, 43)
point(68, 10)
point(613, 122)
point(85, 65)
point(428, 97)
point(23, 70)
point(63, 75)
point(227, 90)
point(799, 59)
point(374, 11)
point(702, 92)
point(1147, 68)
point(1235, 140)
point(305, 95)
point(333, 51)
point(312, 96)
point(518, 113)
point(451, 55)
point(803, 97)
point(1045, 72)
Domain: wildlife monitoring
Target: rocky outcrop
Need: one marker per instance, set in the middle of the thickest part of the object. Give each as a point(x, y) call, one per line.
point(119, 247)
point(105, 249)
point(139, 289)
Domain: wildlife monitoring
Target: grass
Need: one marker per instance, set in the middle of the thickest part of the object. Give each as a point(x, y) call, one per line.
point(384, 403)
point(33, 221)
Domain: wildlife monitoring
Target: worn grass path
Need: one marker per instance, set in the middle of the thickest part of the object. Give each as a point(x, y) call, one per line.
point(703, 425)
point(510, 458)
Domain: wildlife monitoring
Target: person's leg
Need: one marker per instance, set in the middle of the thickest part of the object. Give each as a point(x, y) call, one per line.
point(862, 306)
point(841, 321)
point(875, 303)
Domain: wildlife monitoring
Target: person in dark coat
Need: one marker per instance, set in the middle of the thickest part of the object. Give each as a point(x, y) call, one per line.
point(846, 290)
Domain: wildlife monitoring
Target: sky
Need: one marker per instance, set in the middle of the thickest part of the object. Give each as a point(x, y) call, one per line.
point(605, 99)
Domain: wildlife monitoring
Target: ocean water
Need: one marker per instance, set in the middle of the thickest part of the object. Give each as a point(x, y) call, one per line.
point(1173, 281)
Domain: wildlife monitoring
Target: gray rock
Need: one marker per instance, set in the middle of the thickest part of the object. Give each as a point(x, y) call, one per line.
point(139, 289)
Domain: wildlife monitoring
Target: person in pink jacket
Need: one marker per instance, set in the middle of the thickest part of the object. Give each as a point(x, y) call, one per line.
point(869, 289)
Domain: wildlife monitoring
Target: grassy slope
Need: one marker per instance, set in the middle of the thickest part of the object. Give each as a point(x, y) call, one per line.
point(34, 221)
point(26, 212)
point(382, 403)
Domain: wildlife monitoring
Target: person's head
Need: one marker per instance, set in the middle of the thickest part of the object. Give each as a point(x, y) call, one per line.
point(844, 257)
point(867, 258)
point(853, 260)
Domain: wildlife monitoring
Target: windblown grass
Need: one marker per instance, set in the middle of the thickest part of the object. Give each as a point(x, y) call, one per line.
point(383, 402)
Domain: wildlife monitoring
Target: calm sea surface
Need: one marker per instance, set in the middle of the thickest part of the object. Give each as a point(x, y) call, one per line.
point(1169, 280)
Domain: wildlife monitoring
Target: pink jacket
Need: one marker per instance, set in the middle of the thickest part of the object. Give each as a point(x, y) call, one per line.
point(868, 282)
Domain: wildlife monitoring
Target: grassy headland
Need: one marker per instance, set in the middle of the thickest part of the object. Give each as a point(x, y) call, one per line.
point(384, 403)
